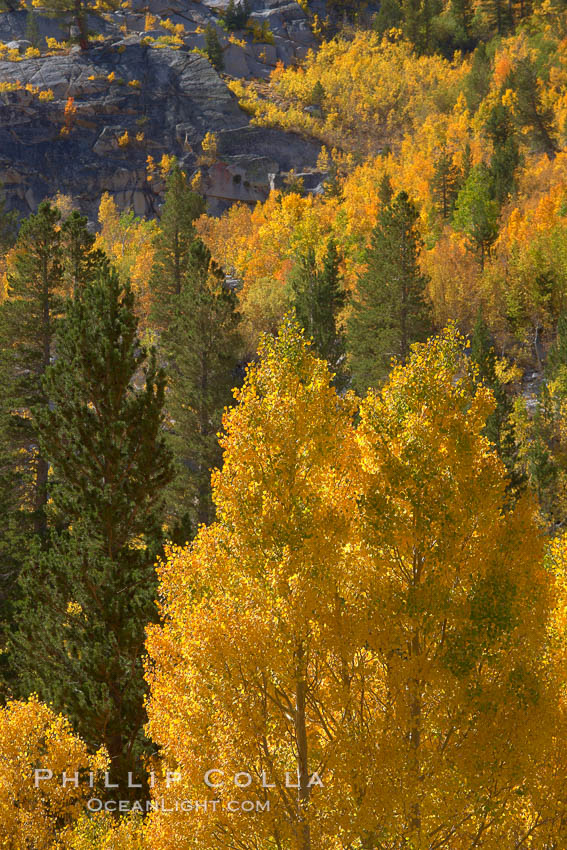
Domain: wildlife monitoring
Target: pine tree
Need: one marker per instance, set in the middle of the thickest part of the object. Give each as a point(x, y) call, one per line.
point(557, 356)
point(499, 14)
point(445, 184)
point(391, 308)
point(418, 22)
point(32, 30)
point(86, 600)
point(201, 346)
point(385, 191)
point(318, 94)
point(80, 259)
point(390, 16)
point(319, 296)
point(213, 48)
point(80, 10)
point(463, 14)
point(530, 113)
point(27, 325)
point(498, 428)
point(478, 79)
point(506, 153)
point(8, 225)
point(476, 211)
point(174, 241)
point(236, 14)
point(49, 258)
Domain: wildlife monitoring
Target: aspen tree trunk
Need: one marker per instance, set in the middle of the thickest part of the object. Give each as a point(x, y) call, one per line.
point(415, 741)
point(304, 833)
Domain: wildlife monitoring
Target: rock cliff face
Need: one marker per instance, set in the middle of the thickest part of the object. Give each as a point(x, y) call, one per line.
point(84, 122)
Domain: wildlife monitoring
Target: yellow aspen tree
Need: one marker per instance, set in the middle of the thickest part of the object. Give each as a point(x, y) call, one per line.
point(247, 674)
point(547, 812)
point(34, 808)
point(103, 832)
point(129, 243)
point(369, 608)
point(457, 604)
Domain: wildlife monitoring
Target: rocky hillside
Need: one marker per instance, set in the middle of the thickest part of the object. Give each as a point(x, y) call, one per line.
point(83, 122)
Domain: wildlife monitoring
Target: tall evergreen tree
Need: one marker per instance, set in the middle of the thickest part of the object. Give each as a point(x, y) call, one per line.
point(49, 258)
point(27, 325)
point(557, 356)
point(391, 309)
point(463, 14)
point(201, 345)
point(530, 112)
point(213, 48)
point(86, 600)
point(385, 191)
point(79, 9)
point(390, 15)
point(445, 184)
point(319, 296)
point(236, 14)
point(80, 259)
point(477, 83)
point(506, 153)
point(8, 225)
point(498, 428)
point(174, 241)
point(476, 211)
point(499, 14)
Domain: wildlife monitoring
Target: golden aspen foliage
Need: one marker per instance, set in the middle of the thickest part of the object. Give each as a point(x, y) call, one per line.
point(259, 247)
point(387, 111)
point(459, 595)
point(33, 736)
point(103, 832)
point(367, 606)
point(547, 810)
point(389, 87)
point(249, 672)
point(128, 242)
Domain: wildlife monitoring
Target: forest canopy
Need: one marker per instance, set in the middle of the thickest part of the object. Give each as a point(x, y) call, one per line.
point(283, 489)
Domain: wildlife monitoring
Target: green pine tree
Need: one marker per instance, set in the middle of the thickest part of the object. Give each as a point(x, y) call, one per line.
point(530, 113)
point(49, 258)
point(463, 14)
point(80, 10)
point(213, 48)
point(557, 356)
point(505, 154)
point(79, 257)
point(85, 601)
point(390, 309)
point(201, 345)
point(385, 191)
point(476, 211)
point(27, 326)
point(445, 184)
point(478, 80)
point(32, 30)
point(319, 296)
point(390, 16)
point(236, 14)
point(318, 94)
point(174, 241)
point(499, 14)
point(8, 226)
point(498, 427)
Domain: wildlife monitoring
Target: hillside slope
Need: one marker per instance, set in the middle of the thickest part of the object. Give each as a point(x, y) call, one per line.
point(82, 122)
